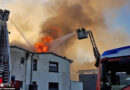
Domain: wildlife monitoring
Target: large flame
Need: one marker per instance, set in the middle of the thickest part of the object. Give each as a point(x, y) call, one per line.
point(43, 46)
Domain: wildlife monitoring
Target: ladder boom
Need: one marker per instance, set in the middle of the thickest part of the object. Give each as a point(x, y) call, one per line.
point(95, 50)
point(4, 47)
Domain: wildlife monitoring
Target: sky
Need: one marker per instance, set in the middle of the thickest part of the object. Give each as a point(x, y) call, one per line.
point(121, 19)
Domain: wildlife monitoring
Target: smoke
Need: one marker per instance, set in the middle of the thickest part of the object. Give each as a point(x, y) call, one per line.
point(36, 19)
point(70, 15)
point(26, 20)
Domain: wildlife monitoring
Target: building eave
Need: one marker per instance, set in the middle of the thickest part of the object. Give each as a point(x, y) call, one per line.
point(41, 53)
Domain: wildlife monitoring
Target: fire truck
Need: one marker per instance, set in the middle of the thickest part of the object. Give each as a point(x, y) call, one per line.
point(113, 65)
point(7, 82)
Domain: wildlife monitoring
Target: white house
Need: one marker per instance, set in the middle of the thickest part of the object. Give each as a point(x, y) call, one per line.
point(46, 71)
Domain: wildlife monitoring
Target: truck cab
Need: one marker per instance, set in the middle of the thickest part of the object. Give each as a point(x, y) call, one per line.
point(114, 69)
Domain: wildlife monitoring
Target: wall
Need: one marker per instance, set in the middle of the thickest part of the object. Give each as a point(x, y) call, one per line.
point(89, 81)
point(18, 69)
point(42, 76)
point(76, 85)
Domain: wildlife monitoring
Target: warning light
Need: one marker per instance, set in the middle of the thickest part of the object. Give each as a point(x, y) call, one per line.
point(1, 81)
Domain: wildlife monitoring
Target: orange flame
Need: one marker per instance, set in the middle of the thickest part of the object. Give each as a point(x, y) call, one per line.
point(47, 39)
point(43, 45)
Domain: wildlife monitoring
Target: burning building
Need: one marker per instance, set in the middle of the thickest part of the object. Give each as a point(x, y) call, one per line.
point(44, 71)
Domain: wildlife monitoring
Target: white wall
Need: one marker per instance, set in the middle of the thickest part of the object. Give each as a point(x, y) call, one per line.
point(76, 85)
point(42, 76)
point(18, 69)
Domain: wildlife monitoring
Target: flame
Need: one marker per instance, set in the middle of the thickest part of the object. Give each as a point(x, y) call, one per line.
point(42, 46)
point(47, 39)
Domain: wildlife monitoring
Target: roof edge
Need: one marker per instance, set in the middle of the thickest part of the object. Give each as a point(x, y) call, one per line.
point(42, 53)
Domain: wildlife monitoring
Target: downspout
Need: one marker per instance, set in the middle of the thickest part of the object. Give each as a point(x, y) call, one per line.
point(25, 73)
point(27, 56)
point(31, 68)
point(70, 78)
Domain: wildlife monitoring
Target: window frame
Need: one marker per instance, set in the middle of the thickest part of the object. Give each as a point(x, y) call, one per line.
point(57, 66)
point(53, 86)
point(34, 64)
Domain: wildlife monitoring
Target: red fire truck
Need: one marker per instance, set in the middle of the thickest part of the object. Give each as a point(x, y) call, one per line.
point(114, 69)
point(113, 65)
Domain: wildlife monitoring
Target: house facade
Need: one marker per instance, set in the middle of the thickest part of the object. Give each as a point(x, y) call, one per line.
point(44, 71)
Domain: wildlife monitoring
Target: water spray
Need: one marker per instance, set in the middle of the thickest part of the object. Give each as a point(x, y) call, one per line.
point(57, 42)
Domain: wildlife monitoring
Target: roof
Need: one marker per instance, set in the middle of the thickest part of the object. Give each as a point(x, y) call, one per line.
point(41, 53)
point(91, 71)
point(117, 52)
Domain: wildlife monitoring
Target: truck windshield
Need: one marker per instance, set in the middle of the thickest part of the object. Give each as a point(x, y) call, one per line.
point(115, 73)
point(122, 80)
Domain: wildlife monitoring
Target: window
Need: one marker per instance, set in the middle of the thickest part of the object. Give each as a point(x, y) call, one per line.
point(35, 64)
point(33, 86)
point(12, 78)
point(34, 83)
point(53, 67)
point(27, 55)
point(21, 84)
point(53, 86)
point(22, 60)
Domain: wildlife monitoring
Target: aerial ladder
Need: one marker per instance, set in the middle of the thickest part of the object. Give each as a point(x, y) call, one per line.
point(82, 33)
point(6, 83)
point(4, 47)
